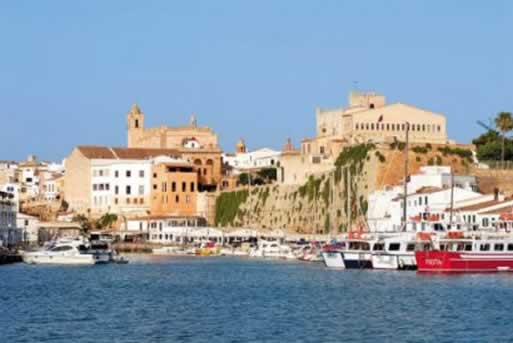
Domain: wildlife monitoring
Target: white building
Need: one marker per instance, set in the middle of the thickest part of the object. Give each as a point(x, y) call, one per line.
point(166, 229)
point(10, 235)
point(29, 226)
point(257, 159)
point(429, 192)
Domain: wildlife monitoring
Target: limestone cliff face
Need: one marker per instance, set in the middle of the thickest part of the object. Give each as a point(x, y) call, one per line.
point(324, 203)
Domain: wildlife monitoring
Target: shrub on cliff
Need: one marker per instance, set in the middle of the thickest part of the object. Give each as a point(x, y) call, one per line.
point(227, 206)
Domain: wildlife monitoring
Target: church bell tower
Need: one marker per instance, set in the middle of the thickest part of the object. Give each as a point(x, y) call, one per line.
point(135, 125)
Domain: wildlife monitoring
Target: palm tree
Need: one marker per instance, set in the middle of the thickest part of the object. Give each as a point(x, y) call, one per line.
point(504, 123)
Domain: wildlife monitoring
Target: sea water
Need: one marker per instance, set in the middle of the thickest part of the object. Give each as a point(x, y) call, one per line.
point(242, 300)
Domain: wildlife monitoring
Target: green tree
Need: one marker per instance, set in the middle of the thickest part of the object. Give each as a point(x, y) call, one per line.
point(504, 123)
point(106, 221)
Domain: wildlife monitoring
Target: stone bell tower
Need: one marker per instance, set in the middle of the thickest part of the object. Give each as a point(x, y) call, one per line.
point(135, 125)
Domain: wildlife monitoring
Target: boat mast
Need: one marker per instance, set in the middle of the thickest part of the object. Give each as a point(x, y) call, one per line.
point(348, 192)
point(406, 175)
point(452, 199)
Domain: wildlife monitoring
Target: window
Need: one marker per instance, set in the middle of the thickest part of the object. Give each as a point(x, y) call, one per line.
point(485, 222)
point(173, 186)
point(177, 199)
point(372, 126)
point(510, 247)
point(141, 173)
point(423, 127)
point(468, 246)
point(141, 189)
point(438, 128)
point(101, 187)
point(388, 127)
point(137, 123)
point(394, 246)
point(205, 171)
point(410, 247)
point(192, 186)
point(403, 126)
point(116, 201)
point(128, 200)
point(128, 190)
point(95, 187)
point(426, 200)
point(100, 172)
point(116, 189)
point(420, 201)
point(164, 187)
point(498, 247)
point(155, 186)
point(154, 175)
point(128, 173)
point(116, 173)
point(485, 247)
point(184, 186)
point(356, 127)
point(107, 186)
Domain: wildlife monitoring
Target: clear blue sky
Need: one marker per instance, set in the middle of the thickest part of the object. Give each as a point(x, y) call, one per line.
point(69, 70)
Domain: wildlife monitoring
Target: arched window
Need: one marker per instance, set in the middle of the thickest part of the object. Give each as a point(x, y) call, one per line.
point(210, 162)
point(372, 126)
point(197, 162)
point(137, 123)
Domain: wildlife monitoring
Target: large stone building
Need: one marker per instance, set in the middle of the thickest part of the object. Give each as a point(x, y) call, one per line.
point(368, 118)
point(197, 144)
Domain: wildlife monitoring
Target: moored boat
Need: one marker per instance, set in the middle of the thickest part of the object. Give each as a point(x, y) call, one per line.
point(477, 253)
point(67, 251)
point(395, 253)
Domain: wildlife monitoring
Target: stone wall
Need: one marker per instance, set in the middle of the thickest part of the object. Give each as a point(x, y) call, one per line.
point(329, 202)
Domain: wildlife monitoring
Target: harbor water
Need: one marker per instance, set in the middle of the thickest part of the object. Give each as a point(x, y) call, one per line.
point(240, 300)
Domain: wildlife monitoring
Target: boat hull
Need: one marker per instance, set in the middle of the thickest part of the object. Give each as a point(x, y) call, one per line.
point(448, 261)
point(81, 259)
point(333, 259)
point(394, 261)
point(355, 260)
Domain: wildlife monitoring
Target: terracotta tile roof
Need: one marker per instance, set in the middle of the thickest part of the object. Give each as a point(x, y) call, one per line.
point(480, 205)
point(500, 210)
point(103, 152)
point(423, 190)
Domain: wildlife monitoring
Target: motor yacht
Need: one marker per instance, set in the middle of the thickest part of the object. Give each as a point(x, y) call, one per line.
point(67, 251)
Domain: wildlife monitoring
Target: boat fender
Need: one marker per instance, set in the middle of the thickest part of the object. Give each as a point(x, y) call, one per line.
point(401, 264)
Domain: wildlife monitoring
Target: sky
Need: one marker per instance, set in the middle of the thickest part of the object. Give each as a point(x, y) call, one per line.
point(70, 70)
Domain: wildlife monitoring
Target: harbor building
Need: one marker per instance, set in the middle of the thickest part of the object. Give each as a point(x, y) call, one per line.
point(194, 143)
point(174, 188)
point(429, 198)
point(10, 234)
point(133, 182)
point(243, 160)
point(367, 118)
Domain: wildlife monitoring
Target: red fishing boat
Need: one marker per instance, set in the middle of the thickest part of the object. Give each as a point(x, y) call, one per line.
point(457, 253)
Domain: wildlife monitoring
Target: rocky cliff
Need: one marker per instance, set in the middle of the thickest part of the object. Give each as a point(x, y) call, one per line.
point(329, 202)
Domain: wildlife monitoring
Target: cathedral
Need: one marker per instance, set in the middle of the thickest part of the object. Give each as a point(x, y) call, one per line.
point(196, 144)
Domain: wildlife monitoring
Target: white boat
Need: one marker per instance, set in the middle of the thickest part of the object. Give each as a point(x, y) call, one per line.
point(396, 253)
point(358, 254)
point(67, 251)
point(272, 249)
